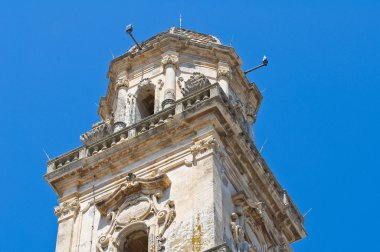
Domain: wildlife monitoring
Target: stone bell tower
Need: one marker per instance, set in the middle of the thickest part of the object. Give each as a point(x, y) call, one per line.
point(172, 165)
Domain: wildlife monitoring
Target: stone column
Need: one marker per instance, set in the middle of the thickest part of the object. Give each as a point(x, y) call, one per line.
point(169, 63)
point(224, 75)
point(120, 115)
point(66, 213)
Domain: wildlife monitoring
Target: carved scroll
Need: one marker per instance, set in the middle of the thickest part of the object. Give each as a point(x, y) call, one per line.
point(134, 206)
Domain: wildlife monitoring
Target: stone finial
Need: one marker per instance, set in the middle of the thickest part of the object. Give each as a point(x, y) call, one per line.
point(169, 59)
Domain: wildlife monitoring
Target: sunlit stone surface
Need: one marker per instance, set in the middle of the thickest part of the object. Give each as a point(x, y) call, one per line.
point(172, 165)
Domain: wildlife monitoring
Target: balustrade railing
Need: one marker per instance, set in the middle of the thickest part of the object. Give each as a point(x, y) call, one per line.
point(136, 129)
point(163, 117)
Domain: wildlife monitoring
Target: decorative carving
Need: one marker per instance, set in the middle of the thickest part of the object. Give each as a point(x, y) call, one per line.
point(203, 146)
point(254, 213)
point(146, 82)
point(67, 209)
point(251, 208)
point(196, 82)
point(224, 72)
point(134, 205)
point(99, 131)
point(160, 84)
point(169, 59)
point(153, 185)
point(122, 82)
point(250, 113)
point(238, 234)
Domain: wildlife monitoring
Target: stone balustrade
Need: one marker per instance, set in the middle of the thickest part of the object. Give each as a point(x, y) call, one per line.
point(190, 101)
point(148, 123)
point(65, 159)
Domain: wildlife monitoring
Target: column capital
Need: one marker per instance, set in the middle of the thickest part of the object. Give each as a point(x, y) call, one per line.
point(168, 59)
point(67, 209)
point(122, 82)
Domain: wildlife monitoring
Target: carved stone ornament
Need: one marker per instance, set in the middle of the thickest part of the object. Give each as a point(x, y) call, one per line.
point(203, 146)
point(98, 132)
point(169, 59)
point(134, 207)
point(122, 82)
point(237, 230)
point(67, 209)
point(249, 207)
point(224, 72)
point(146, 82)
point(250, 113)
point(254, 214)
point(196, 82)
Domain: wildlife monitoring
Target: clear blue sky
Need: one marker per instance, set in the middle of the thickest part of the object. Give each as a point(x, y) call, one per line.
point(320, 111)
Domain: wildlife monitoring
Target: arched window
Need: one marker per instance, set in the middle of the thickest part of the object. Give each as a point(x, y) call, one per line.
point(145, 100)
point(136, 242)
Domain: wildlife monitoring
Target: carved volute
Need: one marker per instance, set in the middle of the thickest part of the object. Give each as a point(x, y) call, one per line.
point(134, 207)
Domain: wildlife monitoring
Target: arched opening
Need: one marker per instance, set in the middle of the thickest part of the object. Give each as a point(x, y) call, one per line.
point(145, 101)
point(136, 242)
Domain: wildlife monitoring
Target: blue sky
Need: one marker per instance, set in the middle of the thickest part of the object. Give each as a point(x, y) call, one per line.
point(320, 112)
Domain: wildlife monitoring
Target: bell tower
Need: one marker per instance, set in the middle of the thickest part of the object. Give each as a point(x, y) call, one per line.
point(172, 165)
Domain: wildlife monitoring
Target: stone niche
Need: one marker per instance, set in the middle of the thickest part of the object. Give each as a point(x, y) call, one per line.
point(133, 216)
